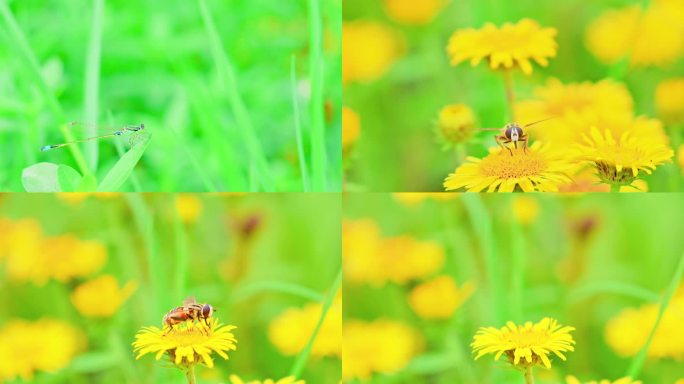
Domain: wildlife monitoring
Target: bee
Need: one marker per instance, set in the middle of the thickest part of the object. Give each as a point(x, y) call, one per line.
point(190, 310)
point(513, 133)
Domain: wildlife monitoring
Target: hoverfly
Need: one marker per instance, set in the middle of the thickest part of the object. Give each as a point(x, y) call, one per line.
point(513, 133)
point(190, 310)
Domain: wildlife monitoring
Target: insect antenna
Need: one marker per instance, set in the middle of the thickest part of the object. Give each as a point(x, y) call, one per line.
point(539, 121)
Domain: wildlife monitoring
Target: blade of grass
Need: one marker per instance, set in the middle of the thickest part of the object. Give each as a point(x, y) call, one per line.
point(519, 258)
point(226, 73)
point(120, 151)
point(638, 360)
point(26, 55)
point(247, 290)
point(303, 165)
point(123, 168)
point(92, 82)
point(303, 356)
point(181, 253)
point(319, 158)
point(611, 287)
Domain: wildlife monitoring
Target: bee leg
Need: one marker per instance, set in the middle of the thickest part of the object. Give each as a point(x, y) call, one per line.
point(498, 141)
point(525, 140)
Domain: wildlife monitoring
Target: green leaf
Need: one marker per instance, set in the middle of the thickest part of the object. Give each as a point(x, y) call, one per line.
point(68, 178)
point(88, 184)
point(41, 177)
point(123, 168)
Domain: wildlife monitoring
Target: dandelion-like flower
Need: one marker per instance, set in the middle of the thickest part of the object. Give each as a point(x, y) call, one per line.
point(456, 124)
point(534, 169)
point(187, 343)
point(670, 99)
point(525, 345)
point(101, 297)
point(287, 380)
point(369, 49)
point(625, 380)
point(511, 46)
point(439, 298)
point(619, 161)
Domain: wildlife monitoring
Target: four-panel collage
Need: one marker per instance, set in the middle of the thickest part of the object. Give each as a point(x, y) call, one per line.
point(301, 192)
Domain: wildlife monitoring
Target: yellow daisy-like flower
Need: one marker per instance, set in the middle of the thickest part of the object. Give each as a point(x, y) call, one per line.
point(618, 162)
point(369, 49)
point(511, 46)
point(525, 345)
point(534, 169)
point(189, 207)
point(351, 127)
point(651, 37)
point(456, 124)
point(625, 380)
point(413, 12)
point(187, 343)
point(670, 99)
point(101, 297)
point(288, 380)
point(291, 330)
point(439, 298)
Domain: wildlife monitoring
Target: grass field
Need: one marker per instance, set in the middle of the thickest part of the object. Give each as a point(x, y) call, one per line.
point(251, 257)
point(446, 266)
point(234, 96)
point(399, 79)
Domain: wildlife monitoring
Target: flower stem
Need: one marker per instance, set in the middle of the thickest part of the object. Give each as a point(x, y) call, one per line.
point(615, 187)
point(510, 95)
point(190, 374)
point(529, 379)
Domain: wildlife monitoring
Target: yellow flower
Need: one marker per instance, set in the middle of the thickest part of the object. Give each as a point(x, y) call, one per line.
point(44, 345)
point(291, 330)
point(525, 345)
point(288, 380)
point(368, 50)
point(534, 169)
point(511, 46)
point(413, 198)
point(627, 332)
point(76, 198)
point(188, 206)
point(618, 162)
point(187, 343)
point(680, 157)
point(403, 258)
point(525, 209)
point(351, 127)
point(101, 297)
point(653, 37)
point(625, 380)
point(383, 346)
point(456, 124)
point(670, 99)
point(20, 239)
point(439, 297)
point(413, 12)
point(360, 251)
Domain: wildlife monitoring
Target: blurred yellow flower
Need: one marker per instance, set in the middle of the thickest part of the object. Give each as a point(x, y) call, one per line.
point(351, 127)
point(525, 209)
point(404, 258)
point(188, 206)
point(413, 12)
point(625, 380)
point(187, 343)
point(101, 297)
point(680, 157)
point(653, 37)
point(511, 46)
point(45, 345)
point(381, 346)
point(414, 198)
point(627, 332)
point(288, 380)
point(61, 258)
point(456, 124)
point(76, 198)
point(20, 239)
point(534, 169)
point(439, 298)
point(669, 99)
point(618, 162)
point(292, 329)
point(360, 251)
point(525, 345)
point(368, 50)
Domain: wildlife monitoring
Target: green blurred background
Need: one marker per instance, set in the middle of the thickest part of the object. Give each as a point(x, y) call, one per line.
point(398, 149)
point(216, 90)
point(172, 254)
point(580, 259)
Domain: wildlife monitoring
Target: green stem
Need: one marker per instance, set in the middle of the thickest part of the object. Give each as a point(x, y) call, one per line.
point(303, 165)
point(190, 374)
point(92, 82)
point(615, 187)
point(529, 378)
point(518, 269)
point(638, 361)
point(510, 95)
point(319, 156)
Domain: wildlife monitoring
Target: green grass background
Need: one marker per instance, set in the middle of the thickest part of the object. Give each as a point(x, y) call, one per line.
point(170, 261)
point(635, 245)
point(398, 111)
point(222, 87)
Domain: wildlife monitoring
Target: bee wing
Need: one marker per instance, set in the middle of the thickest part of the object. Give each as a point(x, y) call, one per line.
point(190, 300)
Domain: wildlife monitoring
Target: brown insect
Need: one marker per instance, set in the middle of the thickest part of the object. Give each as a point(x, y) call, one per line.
point(513, 133)
point(190, 310)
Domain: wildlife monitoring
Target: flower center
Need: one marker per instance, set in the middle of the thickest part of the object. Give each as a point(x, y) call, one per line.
point(506, 166)
point(609, 173)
